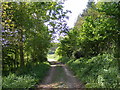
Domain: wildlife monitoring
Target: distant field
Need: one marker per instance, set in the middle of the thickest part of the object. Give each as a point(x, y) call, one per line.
point(52, 56)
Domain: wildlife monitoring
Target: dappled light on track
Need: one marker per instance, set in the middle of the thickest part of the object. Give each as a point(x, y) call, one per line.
point(60, 76)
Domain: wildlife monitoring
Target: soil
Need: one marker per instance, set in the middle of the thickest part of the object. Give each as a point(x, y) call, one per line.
point(60, 76)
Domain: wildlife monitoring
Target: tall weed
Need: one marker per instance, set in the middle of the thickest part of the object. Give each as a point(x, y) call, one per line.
point(99, 71)
point(26, 77)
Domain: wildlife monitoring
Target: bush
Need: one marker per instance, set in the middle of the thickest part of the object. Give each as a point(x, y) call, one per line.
point(99, 71)
point(77, 54)
point(13, 81)
point(63, 59)
point(26, 77)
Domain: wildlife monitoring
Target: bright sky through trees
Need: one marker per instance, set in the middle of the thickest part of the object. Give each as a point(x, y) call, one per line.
point(76, 7)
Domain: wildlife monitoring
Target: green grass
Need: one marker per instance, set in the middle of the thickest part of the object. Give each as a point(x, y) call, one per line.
point(14, 81)
point(52, 56)
point(26, 77)
point(98, 72)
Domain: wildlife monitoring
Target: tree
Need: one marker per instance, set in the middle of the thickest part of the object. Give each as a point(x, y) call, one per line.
point(26, 37)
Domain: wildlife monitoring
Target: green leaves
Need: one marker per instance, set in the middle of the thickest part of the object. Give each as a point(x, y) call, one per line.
point(96, 35)
point(27, 76)
point(101, 70)
point(25, 31)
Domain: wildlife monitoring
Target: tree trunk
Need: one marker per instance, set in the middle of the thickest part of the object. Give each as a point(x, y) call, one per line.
point(21, 49)
point(118, 52)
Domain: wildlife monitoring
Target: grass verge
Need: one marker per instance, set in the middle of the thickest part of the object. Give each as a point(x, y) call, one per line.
point(97, 72)
point(26, 77)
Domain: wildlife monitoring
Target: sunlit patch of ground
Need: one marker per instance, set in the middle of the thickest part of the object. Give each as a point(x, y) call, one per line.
point(52, 57)
point(51, 60)
point(54, 85)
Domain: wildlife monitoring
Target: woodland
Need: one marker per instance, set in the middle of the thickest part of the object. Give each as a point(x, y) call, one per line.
point(91, 49)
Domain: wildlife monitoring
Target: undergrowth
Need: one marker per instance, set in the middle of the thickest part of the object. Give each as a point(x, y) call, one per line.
point(26, 77)
point(98, 72)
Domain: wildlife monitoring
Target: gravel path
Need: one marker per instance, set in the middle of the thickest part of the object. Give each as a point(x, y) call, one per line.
point(60, 76)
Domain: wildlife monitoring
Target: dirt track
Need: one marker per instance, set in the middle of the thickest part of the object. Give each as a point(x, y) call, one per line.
point(60, 76)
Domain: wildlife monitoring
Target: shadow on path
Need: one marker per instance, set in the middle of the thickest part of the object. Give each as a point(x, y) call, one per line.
point(60, 76)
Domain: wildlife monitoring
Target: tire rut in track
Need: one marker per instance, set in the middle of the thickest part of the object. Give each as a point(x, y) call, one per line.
point(59, 76)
